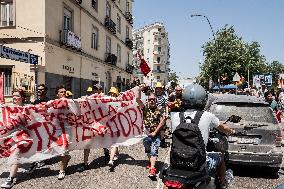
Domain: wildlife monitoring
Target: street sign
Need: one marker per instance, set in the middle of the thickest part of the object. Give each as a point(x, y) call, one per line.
point(14, 54)
point(236, 77)
point(262, 79)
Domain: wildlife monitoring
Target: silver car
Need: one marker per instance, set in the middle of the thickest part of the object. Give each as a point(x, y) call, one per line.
point(258, 137)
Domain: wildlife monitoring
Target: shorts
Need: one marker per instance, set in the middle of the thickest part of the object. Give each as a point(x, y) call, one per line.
point(213, 160)
point(152, 145)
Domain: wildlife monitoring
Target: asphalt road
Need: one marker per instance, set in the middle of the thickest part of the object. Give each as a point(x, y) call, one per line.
point(129, 173)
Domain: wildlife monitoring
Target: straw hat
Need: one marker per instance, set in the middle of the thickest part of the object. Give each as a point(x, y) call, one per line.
point(114, 90)
point(69, 93)
point(159, 85)
point(90, 89)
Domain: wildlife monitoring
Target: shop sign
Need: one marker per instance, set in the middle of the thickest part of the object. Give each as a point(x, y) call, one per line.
point(68, 68)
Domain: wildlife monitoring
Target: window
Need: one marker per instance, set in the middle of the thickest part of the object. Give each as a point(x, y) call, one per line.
point(127, 6)
point(128, 57)
point(7, 13)
point(158, 59)
point(118, 24)
point(67, 25)
point(158, 78)
point(95, 4)
point(158, 68)
point(95, 38)
point(118, 53)
point(127, 32)
point(108, 45)
point(7, 81)
point(108, 10)
point(159, 29)
point(148, 50)
point(159, 41)
point(159, 49)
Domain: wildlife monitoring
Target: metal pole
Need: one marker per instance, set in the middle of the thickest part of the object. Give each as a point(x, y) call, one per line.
point(193, 15)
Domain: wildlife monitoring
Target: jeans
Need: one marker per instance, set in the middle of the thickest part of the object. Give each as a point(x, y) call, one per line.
point(152, 145)
point(213, 160)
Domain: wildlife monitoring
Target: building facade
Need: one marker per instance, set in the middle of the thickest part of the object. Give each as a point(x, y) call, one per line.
point(79, 43)
point(153, 44)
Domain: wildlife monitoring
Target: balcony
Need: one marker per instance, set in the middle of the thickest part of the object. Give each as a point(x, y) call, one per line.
point(129, 43)
point(70, 39)
point(110, 59)
point(158, 53)
point(156, 62)
point(110, 25)
point(162, 34)
point(129, 17)
point(158, 71)
point(129, 68)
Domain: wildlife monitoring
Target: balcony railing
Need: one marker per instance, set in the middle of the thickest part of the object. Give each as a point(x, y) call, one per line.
point(129, 68)
point(158, 53)
point(129, 17)
point(162, 34)
point(129, 43)
point(158, 71)
point(110, 25)
point(110, 58)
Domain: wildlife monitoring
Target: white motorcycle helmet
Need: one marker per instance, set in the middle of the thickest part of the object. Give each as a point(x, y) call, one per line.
point(194, 96)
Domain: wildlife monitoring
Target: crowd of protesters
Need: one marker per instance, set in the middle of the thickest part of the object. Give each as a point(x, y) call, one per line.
point(155, 102)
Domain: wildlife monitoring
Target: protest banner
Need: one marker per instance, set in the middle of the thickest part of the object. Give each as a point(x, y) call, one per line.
point(37, 132)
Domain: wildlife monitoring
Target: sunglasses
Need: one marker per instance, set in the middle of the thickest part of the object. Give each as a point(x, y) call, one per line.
point(151, 99)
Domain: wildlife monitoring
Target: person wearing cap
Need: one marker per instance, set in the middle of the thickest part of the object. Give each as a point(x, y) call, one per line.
point(162, 102)
point(95, 90)
point(113, 92)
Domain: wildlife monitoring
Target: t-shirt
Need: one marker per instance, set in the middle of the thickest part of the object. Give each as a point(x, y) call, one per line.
point(207, 121)
point(152, 117)
point(162, 101)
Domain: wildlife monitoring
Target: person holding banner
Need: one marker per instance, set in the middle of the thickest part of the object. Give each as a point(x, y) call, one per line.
point(18, 100)
point(154, 119)
point(113, 92)
point(61, 93)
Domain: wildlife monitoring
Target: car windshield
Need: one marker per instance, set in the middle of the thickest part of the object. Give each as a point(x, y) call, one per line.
point(248, 112)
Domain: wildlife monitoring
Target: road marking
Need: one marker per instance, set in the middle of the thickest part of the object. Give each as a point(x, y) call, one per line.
point(166, 162)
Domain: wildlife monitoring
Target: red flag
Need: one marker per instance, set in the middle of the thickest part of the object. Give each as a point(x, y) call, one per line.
point(2, 88)
point(145, 69)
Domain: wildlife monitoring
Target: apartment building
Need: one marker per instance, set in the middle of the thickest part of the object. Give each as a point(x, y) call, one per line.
point(78, 42)
point(153, 44)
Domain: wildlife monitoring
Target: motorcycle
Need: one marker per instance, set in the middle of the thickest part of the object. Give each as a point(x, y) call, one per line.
point(184, 179)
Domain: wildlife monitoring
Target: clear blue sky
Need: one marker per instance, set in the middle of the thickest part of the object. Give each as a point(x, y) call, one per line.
point(253, 20)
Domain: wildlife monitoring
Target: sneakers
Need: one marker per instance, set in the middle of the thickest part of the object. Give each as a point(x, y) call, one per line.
point(148, 165)
point(61, 175)
point(110, 163)
point(152, 172)
point(40, 164)
point(83, 167)
point(9, 183)
point(32, 168)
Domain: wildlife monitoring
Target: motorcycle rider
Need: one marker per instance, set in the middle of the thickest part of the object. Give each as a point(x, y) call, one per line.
point(194, 99)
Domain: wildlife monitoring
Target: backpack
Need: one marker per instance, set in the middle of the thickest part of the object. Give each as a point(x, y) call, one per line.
point(188, 149)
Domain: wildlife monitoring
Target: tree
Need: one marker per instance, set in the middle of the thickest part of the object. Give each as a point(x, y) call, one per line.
point(173, 78)
point(275, 68)
point(229, 54)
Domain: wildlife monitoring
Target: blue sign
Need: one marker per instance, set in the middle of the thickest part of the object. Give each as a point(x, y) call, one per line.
point(17, 55)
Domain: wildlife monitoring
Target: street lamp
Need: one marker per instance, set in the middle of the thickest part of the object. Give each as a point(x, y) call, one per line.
point(200, 15)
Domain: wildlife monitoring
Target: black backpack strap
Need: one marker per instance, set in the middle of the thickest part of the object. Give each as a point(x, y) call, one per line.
point(181, 117)
point(197, 117)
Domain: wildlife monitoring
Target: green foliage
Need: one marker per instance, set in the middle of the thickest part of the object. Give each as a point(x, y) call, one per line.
point(173, 78)
point(229, 54)
point(275, 68)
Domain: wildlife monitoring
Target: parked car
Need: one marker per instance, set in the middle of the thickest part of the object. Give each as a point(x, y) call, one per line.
point(257, 140)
